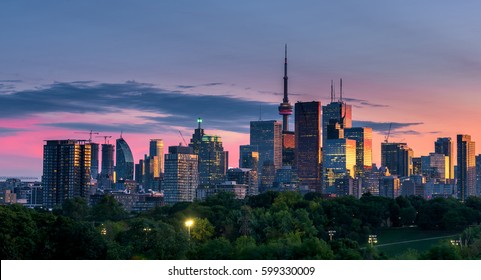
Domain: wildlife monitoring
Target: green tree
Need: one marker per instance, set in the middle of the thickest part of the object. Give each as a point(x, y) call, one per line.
point(108, 209)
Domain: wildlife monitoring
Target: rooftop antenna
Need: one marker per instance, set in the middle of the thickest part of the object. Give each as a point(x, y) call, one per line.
point(260, 112)
point(332, 91)
point(121, 134)
point(340, 85)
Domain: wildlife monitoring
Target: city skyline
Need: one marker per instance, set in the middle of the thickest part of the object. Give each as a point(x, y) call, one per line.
point(154, 75)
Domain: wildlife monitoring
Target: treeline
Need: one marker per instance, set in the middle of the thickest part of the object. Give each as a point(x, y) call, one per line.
point(271, 225)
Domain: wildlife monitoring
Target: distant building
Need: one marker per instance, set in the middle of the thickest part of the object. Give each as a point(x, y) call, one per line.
point(267, 136)
point(478, 174)
point(245, 176)
point(445, 146)
point(248, 157)
point(94, 165)
point(308, 144)
point(156, 149)
point(106, 177)
point(7, 197)
point(466, 167)
point(286, 179)
point(389, 186)
point(339, 160)
point(363, 138)
point(181, 177)
point(66, 171)
point(398, 158)
point(213, 161)
point(124, 167)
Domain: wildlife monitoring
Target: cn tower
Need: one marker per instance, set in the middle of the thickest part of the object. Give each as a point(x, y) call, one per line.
point(285, 108)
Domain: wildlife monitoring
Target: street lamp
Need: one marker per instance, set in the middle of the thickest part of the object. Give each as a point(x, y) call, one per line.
point(372, 239)
point(455, 242)
point(189, 224)
point(103, 231)
point(331, 234)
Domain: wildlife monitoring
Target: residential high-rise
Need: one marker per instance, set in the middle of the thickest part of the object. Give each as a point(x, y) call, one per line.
point(181, 176)
point(445, 146)
point(106, 177)
point(466, 167)
point(66, 170)
point(363, 137)
point(94, 165)
point(308, 144)
point(124, 168)
point(213, 161)
point(267, 136)
point(397, 157)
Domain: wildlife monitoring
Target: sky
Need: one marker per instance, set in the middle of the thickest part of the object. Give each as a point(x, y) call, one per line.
point(151, 68)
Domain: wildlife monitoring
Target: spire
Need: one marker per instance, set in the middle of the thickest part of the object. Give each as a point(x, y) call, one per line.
point(332, 91)
point(199, 122)
point(286, 98)
point(121, 134)
point(341, 89)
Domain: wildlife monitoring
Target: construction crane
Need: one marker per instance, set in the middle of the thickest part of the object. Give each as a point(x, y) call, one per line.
point(386, 139)
point(105, 137)
point(183, 138)
point(90, 133)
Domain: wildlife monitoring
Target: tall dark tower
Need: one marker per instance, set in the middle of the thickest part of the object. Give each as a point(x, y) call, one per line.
point(285, 108)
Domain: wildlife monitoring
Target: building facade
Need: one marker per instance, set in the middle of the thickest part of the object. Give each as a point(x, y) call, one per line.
point(466, 167)
point(66, 171)
point(308, 155)
point(181, 177)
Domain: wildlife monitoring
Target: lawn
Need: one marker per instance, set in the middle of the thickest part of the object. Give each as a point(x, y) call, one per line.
point(410, 238)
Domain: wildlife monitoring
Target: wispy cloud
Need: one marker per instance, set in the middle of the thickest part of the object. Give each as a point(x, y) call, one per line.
point(6, 131)
point(174, 108)
point(384, 127)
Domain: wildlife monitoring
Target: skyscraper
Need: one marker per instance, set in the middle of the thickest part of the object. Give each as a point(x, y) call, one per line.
point(213, 161)
point(363, 137)
point(248, 157)
point(445, 146)
point(197, 137)
point(478, 174)
point(94, 165)
point(124, 169)
point(267, 136)
point(339, 161)
point(397, 157)
point(107, 173)
point(181, 175)
point(466, 167)
point(308, 144)
point(335, 112)
point(157, 154)
point(66, 170)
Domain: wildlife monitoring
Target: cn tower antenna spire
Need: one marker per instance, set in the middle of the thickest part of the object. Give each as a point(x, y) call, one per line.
point(286, 98)
point(285, 108)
